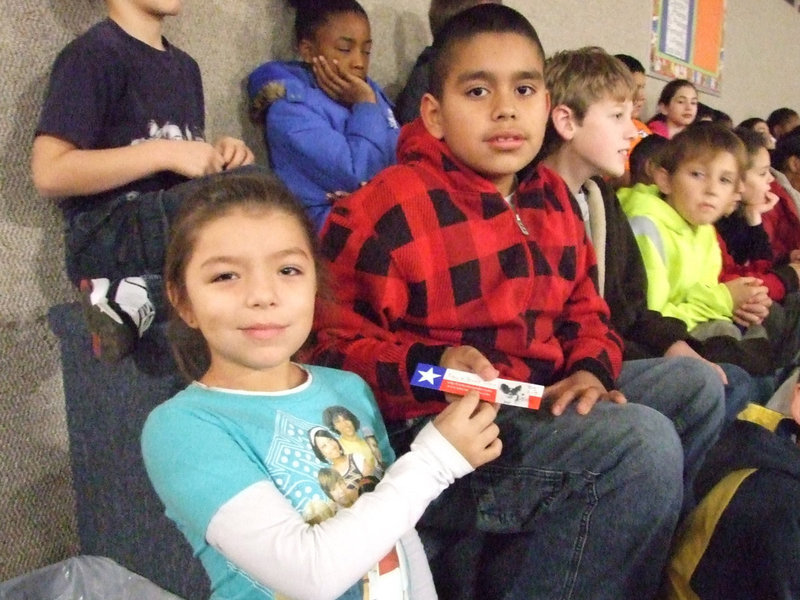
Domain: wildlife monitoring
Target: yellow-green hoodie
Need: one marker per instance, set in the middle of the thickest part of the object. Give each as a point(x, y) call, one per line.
point(682, 262)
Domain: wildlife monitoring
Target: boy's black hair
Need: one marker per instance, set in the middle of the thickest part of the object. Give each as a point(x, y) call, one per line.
point(483, 18)
point(634, 66)
point(704, 112)
point(752, 140)
point(310, 15)
point(786, 147)
point(646, 150)
point(779, 116)
point(750, 123)
point(720, 116)
point(441, 11)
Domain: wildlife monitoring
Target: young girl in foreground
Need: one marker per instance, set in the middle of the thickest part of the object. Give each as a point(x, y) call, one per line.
point(230, 455)
point(328, 127)
point(677, 106)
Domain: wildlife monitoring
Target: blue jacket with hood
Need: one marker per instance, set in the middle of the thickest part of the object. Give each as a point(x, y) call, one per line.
point(316, 145)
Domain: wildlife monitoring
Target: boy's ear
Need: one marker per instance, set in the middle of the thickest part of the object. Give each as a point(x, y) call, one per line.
point(650, 169)
point(431, 112)
point(184, 309)
point(662, 179)
point(307, 50)
point(793, 164)
point(564, 121)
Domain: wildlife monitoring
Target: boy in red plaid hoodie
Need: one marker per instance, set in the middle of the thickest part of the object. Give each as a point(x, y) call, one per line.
point(451, 258)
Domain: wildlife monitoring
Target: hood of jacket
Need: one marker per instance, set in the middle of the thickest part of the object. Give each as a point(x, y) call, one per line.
point(292, 80)
point(643, 201)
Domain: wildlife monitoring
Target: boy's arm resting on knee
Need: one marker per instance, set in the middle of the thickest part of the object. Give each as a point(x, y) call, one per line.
point(61, 169)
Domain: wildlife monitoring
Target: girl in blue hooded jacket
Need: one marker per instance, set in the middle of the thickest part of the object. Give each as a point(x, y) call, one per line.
point(328, 127)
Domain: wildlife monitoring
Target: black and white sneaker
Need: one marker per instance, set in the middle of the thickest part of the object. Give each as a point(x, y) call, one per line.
point(116, 315)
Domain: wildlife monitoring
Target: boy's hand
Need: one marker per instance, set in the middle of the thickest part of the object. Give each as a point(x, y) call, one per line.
point(344, 88)
point(193, 159)
point(744, 290)
point(467, 358)
point(235, 153)
point(681, 348)
point(468, 424)
point(751, 313)
point(754, 210)
point(583, 387)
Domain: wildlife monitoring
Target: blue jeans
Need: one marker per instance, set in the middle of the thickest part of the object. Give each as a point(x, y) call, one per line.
point(127, 236)
point(688, 391)
point(578, 507)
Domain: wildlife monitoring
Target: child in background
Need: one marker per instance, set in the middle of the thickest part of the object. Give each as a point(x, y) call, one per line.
point(698, 177)
point(217, 451)
point(460, 257)
point(760, 126)
point(781, 121)
point(644, 160)
point(327, 126)
point(677, 106)
point(642, 131)
point(407, 104)
point(750, 254)
point(120, 132)
point(782, 223)
point(744, 242)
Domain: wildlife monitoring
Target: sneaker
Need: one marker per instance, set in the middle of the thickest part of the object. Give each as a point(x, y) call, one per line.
point(116, 315)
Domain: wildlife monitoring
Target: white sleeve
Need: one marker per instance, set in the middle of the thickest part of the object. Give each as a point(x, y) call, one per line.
point(260, 532)
point(420, 577)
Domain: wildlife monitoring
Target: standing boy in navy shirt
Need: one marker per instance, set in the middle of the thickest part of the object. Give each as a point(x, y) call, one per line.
point(121, 129)
point(451, 258)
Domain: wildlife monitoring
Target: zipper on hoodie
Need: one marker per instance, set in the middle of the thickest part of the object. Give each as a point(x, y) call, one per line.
point(510, 201)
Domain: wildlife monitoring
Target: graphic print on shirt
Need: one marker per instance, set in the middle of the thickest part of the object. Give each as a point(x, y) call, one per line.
point(168, 131)
point(322, 468)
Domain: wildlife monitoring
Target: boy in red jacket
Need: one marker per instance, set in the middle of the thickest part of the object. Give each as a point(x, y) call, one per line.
point(454, 258)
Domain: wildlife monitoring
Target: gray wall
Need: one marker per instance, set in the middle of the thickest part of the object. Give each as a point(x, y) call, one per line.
point(228, 38)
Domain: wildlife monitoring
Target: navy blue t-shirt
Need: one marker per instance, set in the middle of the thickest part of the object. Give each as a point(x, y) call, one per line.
point(109, 90)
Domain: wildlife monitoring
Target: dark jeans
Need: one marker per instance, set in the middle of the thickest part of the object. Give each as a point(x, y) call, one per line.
point(579, 507)
point(128, 235)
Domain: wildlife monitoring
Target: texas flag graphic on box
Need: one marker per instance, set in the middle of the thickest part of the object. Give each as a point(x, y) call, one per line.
point(501, 391)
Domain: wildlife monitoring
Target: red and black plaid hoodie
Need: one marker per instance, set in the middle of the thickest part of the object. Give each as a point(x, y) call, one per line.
point(429, 255)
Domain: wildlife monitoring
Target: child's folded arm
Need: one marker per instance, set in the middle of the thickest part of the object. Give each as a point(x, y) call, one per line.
point(335, 160)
